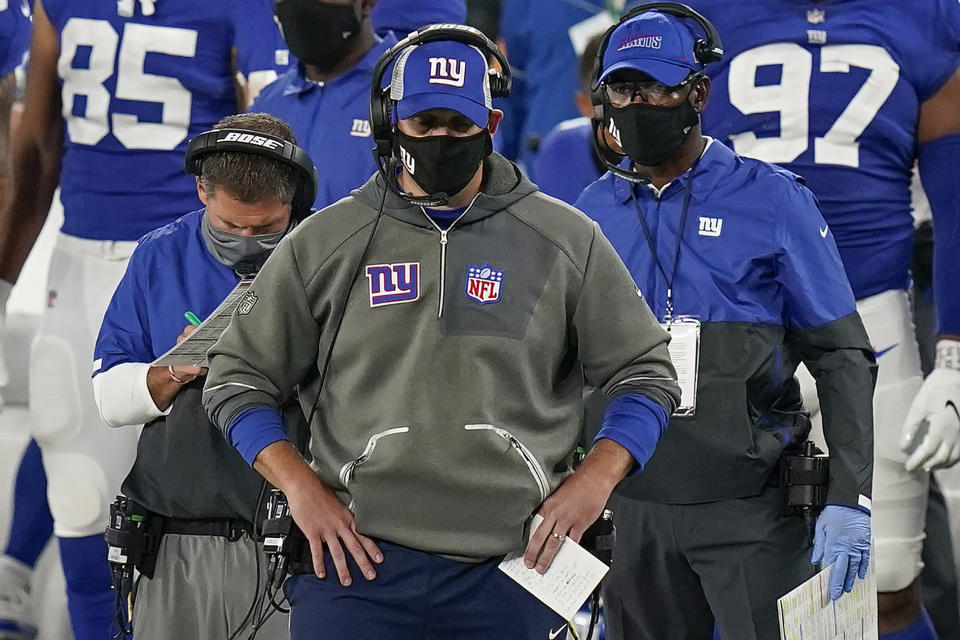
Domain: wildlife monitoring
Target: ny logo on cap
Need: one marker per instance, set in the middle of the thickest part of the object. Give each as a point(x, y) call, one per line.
point(448, 71)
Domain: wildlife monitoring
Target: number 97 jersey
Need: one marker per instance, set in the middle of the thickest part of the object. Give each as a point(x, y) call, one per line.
point(140, 78)
point(832, 91)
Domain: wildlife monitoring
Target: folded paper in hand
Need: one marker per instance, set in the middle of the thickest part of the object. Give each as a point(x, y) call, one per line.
point(569, 581)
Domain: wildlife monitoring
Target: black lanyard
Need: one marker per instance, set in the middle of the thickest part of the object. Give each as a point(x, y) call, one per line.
point(676, 255)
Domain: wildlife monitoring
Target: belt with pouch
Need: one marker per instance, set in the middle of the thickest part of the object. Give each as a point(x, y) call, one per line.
point(230, 528)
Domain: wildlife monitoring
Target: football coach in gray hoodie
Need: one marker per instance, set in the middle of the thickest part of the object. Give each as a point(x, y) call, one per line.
point(440, 325)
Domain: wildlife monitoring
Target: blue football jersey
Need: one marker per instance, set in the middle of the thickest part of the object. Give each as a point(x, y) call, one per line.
point(832, 90)
point(140, 78)
point(171, 272)
point(14, 34)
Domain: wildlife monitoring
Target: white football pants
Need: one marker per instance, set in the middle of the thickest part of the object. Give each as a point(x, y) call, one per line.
point(85, 460)
point(899, 498)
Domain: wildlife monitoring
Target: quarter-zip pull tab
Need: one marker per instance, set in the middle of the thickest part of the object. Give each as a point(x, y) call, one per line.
point(443, 268)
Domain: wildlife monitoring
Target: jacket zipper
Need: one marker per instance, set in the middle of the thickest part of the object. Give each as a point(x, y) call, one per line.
point(346, 471)
point(443, 265)
point(443, 248)
point(543, 484)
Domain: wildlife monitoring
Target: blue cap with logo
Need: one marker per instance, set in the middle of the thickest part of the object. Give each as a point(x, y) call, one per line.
point(654, 43)
point(442, 75)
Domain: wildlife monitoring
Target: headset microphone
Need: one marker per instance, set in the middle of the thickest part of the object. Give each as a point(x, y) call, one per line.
point(391, 168)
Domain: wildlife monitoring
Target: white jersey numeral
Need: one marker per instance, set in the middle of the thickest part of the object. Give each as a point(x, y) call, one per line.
point(132, 82)
point(791, 99)
point(99, 36)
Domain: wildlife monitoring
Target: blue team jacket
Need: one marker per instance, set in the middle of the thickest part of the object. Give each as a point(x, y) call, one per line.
point(760, 270)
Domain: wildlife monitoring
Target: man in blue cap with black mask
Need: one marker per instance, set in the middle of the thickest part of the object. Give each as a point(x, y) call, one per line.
point(442, 321)
point(735, 259)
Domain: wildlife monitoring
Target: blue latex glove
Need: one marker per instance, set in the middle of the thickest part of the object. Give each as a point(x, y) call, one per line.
point(843, 540)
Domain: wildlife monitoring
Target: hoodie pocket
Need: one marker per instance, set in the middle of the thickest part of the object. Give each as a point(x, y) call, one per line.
point(347, 470)
point(464, 491)
point(543, 484)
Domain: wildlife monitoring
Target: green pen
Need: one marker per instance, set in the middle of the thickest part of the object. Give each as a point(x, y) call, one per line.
point(191, 318)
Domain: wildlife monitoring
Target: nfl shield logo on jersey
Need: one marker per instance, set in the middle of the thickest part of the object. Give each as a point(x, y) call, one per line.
point(484, 284)
point(246, 305)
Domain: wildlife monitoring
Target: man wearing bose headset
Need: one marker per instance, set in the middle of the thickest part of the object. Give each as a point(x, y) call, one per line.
point(748, 291)
point(255, 183)
point(439, 324)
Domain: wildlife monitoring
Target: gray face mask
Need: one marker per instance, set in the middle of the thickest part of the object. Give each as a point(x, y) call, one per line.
point(243, 254)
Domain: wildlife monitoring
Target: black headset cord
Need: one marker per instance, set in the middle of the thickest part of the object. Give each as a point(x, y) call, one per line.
point(258, 598)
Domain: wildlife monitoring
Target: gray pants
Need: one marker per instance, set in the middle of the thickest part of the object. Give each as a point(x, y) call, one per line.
point(202, 588)
point(677, 568)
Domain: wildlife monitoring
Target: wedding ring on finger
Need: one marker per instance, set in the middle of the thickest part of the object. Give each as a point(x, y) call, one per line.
point(559, 536)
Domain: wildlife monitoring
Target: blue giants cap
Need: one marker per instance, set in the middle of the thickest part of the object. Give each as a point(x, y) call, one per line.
point(654, 43)
point(442, 75)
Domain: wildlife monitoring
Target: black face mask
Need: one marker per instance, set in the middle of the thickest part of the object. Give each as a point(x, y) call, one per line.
point(650, 135)
point(318, 34)
point(442, 164)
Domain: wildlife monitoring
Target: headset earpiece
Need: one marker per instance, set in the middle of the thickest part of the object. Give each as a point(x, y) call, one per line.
point(381, 123)
point(500, 84)
point(596, 99)
point(707, 53)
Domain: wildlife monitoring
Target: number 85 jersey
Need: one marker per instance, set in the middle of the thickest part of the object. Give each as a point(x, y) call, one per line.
point(139, 78)
point(832, 91)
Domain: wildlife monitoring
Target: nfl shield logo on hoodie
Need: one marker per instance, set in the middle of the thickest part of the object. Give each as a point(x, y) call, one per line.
point(484, 284)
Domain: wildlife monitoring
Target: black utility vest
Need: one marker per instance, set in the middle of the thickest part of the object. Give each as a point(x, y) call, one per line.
point(185, 468)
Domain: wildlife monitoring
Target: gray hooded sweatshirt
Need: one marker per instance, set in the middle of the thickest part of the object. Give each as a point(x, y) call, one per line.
point(453, 397)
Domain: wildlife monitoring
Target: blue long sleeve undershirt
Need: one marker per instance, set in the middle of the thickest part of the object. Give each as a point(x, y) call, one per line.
point(253, 430)
point(635, 422)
